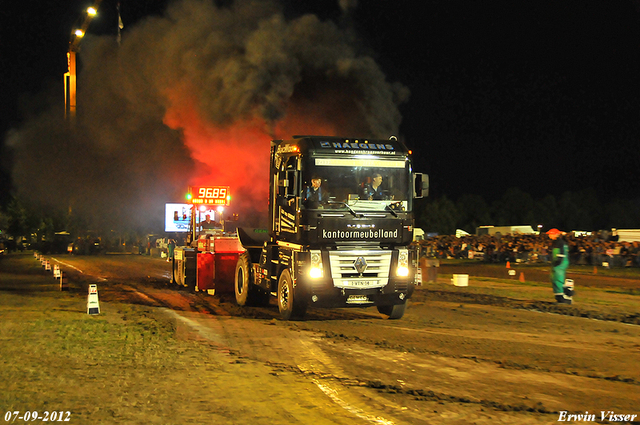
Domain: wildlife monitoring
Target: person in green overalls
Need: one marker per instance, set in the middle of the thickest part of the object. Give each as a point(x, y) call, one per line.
point(171, 246)
point(559, 265)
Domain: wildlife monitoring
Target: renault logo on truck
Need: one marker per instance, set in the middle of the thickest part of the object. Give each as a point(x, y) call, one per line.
point(360, 265)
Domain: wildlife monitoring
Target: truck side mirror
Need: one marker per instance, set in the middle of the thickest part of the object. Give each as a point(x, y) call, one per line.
point(420, 185)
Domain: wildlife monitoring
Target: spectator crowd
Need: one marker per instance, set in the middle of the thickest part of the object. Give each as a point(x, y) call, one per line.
point(583, 250)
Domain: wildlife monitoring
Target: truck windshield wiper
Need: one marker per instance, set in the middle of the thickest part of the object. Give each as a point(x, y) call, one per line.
point(346, 205)
point(392, 207)
point(388, 208)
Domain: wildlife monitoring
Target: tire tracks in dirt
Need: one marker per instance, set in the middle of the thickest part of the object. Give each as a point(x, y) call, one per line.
point(308, 356)
point(215, 324)
point(386, 381)
point(541, 306)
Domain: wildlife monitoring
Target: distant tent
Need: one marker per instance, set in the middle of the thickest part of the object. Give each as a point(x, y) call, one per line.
point(460, 233)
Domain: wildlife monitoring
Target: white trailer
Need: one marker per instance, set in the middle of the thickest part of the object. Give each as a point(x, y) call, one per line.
point(626, 235)
point(505, 230)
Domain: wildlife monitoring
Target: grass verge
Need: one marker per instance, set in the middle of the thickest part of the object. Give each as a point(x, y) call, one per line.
point(125, 365)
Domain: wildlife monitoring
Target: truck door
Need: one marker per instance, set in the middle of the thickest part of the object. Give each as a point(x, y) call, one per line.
point(287, 198)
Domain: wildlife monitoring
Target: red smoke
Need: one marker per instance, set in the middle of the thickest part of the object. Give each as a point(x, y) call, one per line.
point(236, 155)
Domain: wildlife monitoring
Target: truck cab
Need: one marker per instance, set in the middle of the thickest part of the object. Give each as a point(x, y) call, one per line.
point(341, 225)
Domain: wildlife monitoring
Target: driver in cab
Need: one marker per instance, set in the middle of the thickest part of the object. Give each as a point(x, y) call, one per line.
point(208, 224)
point(373, 191)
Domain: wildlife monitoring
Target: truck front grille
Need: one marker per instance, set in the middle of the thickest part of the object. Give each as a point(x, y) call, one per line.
point(346, 275)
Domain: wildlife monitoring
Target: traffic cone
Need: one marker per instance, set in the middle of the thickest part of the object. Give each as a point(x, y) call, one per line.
point(595, 269)
point(508, 265)
point(522, 277)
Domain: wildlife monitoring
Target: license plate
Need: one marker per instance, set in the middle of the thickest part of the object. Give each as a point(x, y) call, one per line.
point(358, 299)
point(362, 283)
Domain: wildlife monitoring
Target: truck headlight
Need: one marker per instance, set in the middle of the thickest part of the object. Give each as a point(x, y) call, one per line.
point(403, 262)
point(316, 271)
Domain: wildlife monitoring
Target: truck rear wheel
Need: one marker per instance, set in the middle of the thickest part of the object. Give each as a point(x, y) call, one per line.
point(393, 311)
point(246, 292)
point(242, 282)
point(290, 307)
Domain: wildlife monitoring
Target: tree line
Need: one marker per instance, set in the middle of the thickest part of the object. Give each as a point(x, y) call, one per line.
point(582, 210)
point(35, 224)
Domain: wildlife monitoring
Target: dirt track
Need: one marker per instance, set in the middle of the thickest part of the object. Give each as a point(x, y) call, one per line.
point(497, 351)
point(585, 276)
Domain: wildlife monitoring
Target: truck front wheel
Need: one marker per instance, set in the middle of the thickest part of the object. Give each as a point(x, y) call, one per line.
point(290, 307)
point(393, 311)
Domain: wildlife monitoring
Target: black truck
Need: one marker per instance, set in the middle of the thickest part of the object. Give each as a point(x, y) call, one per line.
point(340, 231)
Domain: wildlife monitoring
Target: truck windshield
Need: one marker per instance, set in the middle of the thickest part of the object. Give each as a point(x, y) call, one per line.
point(361, 184)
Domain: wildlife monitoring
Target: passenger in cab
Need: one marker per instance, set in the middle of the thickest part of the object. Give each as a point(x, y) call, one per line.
point(314, 195)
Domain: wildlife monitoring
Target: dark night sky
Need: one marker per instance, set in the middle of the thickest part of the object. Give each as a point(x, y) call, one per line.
point(540, 95)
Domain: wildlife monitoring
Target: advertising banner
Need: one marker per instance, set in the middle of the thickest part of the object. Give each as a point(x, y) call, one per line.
point(177, 217)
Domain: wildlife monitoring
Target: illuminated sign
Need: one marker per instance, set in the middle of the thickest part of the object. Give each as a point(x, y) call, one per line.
point(209, 195)
point(177, 217)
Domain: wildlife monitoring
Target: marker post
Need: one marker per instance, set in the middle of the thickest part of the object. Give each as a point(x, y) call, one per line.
point(93, 305)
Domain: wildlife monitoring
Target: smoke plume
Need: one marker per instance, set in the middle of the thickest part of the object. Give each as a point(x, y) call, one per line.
point(193, 98)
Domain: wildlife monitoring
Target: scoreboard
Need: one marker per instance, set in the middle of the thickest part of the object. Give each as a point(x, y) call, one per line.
point(209, 195)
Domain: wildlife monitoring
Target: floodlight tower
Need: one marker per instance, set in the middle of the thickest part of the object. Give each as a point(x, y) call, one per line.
point(70, 75)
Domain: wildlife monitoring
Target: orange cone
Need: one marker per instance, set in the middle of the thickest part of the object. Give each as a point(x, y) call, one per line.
point(522, 277)
point(508, 265)
point(595, 270)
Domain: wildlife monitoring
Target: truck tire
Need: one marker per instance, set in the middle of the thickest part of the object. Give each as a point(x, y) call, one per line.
point(393, 311)
point(246, 292)
point(290, 307)
point(242, 282)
